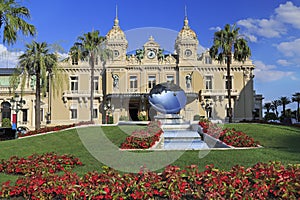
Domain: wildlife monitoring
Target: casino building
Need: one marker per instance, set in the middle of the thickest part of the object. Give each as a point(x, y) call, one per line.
point(123, 82)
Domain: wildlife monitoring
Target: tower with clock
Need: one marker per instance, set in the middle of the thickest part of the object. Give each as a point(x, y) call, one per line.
point(151, 49)
point(116, 42)
point(186, 43)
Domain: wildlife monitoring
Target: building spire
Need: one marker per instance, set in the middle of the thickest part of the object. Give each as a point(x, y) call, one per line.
point(116, 21)
point(116, 11)
point(186, 21)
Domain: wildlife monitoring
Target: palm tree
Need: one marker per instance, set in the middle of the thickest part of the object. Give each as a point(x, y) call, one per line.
point(225, 42)
point(268, 107)
point(284, 101)
point(275, 104)
point(296, 98)
point(37, 61)
point(12, 21)
point(87, 48)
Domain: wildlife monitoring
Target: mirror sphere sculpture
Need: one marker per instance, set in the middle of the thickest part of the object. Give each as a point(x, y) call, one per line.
point(167, 98)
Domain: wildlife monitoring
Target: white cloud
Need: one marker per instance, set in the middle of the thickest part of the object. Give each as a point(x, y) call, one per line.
point(290, 48)
point(251, 38)
point(215, 28)
point(268, 28)
point(275, 25)
point(8, 59)
point(268, 73)
point(284, 62)
point(62, 55)
point(288, 13)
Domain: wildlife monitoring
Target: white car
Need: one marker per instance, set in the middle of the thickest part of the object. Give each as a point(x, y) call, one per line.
point(22, 130)
point(274, 121)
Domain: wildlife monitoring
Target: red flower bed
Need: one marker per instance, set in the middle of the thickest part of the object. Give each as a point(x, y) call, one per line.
point(228, 136)
point(53, 128)
point(143, 139)
point(262, 181)
point(237, 138)
point(48, 162)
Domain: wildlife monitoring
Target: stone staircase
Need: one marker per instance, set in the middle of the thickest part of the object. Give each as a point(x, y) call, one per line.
point(185, 139)
point(179, 134)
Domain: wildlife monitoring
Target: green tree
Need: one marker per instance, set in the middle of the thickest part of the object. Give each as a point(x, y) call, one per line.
point(88, 47)
point(296, 98)
point(37, 61)
point(268, 107)
point(12, 21)
point(275, 104)
point(284, 101)
point(225, 42)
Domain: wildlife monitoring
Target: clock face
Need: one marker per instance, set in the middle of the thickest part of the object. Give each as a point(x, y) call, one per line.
point(116, 53)
point(151, 54)
point(188, 53)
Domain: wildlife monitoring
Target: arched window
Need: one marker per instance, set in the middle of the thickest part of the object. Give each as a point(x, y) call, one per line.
point(6, 110)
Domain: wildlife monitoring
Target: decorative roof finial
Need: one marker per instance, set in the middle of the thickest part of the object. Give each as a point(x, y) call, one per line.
point(151, 38)
point(186, 21)
point(116, 21)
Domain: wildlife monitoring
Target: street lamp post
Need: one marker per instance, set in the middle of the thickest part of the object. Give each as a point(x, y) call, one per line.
point(107, 107)
point(17, 105)
point(207, 106)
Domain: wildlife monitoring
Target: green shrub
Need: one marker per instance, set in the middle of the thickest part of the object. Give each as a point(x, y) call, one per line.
point(197, 117)
point(6, 123)
point(270, 116)
point(110, 120)
point(142, 116)
point(123, 118)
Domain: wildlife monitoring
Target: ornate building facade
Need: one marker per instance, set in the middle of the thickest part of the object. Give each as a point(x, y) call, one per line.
point(123, 82)
point(20, 104)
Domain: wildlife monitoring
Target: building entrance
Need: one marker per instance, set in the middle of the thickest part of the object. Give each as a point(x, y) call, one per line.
point(133, 110)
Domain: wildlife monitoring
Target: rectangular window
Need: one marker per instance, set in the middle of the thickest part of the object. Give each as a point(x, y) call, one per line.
point(133, 82)
point(151, 81)
point(208, 60)
point(170, 78)
point(228, 85)
point(208, 82)
point(74, 84)
point(95, 113)
point(42, 114)
point(96, 83)
point(73, 113)
point(24, 115)
point(74, 60)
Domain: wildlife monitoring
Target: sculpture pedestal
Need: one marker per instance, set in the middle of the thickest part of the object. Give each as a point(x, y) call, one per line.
point(169, 119)
point(179, 134)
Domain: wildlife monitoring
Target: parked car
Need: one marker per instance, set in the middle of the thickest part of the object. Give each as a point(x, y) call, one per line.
point(274, 121)
point(294, 121)
point(22, 130)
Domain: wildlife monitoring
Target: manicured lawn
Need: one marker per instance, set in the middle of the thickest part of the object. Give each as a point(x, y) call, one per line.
point(280, 143)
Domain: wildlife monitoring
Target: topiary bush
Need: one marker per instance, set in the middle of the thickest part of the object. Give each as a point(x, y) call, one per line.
point(6, 123)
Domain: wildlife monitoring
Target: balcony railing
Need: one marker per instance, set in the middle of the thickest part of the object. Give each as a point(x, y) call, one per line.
point(132, 90)
point(81, 95)
point(217, 92)
point(5, 88)
point(9, 89)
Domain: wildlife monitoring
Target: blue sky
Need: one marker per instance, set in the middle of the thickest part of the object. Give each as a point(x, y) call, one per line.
point(271, 27)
